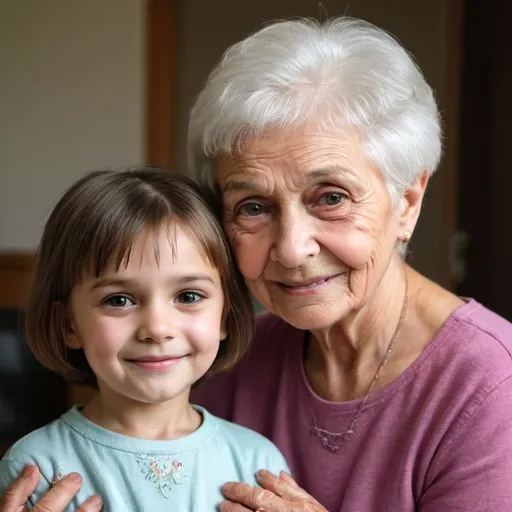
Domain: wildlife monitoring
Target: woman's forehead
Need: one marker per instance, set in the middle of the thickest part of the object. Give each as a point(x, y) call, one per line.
point(303, 157)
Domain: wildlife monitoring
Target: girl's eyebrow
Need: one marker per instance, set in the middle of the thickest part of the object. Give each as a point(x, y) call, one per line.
point(118, 282)
point(105, 282)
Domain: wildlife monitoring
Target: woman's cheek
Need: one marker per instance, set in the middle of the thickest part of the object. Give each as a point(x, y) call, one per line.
point(357, 251)
point(251, 256)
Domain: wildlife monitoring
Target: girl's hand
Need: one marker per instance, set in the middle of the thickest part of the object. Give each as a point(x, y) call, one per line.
point(278, 494)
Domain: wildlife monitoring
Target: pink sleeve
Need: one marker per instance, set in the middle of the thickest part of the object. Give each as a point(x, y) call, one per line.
point(472, 471)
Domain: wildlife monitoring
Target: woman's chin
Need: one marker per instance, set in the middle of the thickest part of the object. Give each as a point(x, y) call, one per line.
point(311, 317)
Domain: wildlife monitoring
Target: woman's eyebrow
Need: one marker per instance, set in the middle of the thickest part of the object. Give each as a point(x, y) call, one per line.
point(237, 185)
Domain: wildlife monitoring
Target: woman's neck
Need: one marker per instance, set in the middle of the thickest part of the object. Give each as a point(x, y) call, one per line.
point(342, 360)
point(162, 421)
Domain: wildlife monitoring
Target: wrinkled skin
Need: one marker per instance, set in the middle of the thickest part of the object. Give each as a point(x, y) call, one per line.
point(278, 494)
point(56, 500)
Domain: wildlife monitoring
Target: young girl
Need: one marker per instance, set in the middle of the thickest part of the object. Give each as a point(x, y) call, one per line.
point(135, 291)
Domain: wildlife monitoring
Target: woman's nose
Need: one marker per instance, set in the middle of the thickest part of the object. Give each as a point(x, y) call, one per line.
point(295, 240)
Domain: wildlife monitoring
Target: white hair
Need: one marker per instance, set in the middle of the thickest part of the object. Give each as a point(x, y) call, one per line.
point(341, 73)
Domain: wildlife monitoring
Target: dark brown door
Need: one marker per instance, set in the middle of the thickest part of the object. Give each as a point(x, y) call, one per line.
point(485, 197)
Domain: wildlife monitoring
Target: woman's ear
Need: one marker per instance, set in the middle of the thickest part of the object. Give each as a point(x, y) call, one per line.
point(411, 202)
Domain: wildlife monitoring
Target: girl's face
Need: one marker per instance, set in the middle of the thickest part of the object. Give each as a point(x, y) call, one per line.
point(152, 328)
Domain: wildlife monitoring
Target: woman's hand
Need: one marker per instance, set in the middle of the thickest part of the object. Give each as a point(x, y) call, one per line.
point(55, 500)
point(278, 494)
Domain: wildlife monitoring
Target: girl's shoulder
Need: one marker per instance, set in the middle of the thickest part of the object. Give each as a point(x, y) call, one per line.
point(44, 439)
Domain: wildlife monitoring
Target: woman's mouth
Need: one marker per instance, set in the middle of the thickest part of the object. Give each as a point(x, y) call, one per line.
point(306, 287)
point(310, 285)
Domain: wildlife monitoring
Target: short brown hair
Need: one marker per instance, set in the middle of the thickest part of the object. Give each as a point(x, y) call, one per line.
point(95, 224)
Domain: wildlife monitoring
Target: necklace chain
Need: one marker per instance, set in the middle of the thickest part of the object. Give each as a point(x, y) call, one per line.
point(327, 437)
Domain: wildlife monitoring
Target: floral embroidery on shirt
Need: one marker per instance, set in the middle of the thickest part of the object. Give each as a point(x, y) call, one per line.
point(58, 476)
point(163, 471)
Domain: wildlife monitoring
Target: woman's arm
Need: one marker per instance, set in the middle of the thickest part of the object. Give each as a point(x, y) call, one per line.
point(472, 469)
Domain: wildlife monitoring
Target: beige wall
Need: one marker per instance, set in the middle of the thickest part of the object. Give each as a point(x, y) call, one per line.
point(71, 99)
point(207, 28)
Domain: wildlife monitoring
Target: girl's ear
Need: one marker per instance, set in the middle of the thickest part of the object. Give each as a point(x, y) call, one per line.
point(68, 332)
point(223, 323)
point(223, 331)
point(71, 338)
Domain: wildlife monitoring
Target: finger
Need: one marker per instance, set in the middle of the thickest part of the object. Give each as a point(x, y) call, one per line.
point(60, 496)
point(280, 487)
point(229, 506)
point(283, 475)
point(252, 497)
point(16, 496)
point(93, 504)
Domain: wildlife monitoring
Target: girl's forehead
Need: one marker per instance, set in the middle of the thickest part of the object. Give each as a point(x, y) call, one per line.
point(169, 240)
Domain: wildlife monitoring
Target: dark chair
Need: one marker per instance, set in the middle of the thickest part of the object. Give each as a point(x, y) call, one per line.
point(30, 395)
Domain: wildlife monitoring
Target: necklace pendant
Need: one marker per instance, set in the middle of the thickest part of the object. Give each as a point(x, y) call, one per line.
point(331, 441)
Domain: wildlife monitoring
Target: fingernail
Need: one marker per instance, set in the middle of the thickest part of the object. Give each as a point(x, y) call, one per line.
point(75, 477)
point(96, 502)
point(261, 473)
point(28, 471)
point(227, 487)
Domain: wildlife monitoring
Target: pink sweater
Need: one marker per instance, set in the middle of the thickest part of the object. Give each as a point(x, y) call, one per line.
point(437, 439)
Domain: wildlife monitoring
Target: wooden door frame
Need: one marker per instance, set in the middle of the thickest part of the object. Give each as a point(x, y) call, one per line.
point(15, 273)
point(161, 78)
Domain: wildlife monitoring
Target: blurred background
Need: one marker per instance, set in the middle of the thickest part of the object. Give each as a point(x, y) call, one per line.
point(102, 83)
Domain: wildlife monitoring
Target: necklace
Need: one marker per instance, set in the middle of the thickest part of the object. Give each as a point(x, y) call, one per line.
point(333, 440)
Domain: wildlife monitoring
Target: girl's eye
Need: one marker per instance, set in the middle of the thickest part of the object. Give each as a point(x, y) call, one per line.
point(332, 198)
point(118, 301)
point(189, 297)
point(251, 209)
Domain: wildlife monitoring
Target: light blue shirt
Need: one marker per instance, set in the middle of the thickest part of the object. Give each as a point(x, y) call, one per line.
point(143, 475)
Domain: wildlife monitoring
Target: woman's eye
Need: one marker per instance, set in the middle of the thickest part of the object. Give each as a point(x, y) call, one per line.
point(189, 297)
point(118, 301)
point(332, 198)
point(251, 209)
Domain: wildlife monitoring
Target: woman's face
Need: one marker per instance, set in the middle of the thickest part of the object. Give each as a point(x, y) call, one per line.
point(311, 223)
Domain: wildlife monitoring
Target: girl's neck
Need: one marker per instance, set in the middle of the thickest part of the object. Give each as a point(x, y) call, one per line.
point(162, 421)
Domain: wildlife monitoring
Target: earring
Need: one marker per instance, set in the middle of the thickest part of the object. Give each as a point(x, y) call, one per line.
point(407, 236)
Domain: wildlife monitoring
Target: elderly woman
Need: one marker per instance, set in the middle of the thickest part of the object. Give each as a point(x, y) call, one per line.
point(384, 391)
